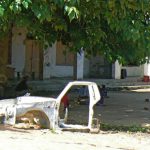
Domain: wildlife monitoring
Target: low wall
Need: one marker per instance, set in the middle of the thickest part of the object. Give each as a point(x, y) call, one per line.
point(135, 71)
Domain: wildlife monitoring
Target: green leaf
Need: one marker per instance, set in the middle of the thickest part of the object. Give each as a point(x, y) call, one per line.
point(1, 11)
point(18, 1)
point(26, 3)
point(72, 12)
point(15, 7)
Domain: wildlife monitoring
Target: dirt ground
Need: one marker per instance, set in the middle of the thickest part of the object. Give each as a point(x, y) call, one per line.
point(126, 108)
point(46, 140)
point(121, 108)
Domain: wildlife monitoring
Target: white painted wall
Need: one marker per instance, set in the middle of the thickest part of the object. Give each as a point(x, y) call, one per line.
point(18, 49)
point(135, 71)
point(80, 64)
point(146, 69)
point(51, 69)
point(116, 70)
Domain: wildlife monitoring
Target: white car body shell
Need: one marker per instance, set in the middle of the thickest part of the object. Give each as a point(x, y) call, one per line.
point(13, 108)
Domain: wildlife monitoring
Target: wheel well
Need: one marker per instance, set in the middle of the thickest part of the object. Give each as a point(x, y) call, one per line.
point(35, 117)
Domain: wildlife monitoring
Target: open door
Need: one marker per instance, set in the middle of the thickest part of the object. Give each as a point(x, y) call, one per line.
point(80, 112)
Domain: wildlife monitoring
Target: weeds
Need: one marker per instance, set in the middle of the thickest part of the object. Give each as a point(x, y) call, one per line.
point(133, 128)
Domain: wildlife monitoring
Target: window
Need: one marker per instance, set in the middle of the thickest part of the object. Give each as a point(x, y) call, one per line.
point(63, 56)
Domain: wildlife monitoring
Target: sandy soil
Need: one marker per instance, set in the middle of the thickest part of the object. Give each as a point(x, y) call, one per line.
point(124, 108)
point(46, 140)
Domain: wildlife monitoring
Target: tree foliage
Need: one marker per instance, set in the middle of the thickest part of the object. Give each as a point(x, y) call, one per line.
point(117, 29)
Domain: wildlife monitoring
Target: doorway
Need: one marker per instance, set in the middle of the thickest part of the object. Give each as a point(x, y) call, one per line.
point(34, 59)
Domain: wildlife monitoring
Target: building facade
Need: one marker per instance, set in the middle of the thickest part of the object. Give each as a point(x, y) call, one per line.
point(28, 57)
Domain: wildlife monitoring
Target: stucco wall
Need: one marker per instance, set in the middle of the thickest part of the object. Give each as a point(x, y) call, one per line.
point(134, 71)
point(18, 49)
point(116, 70)
point(146, 69)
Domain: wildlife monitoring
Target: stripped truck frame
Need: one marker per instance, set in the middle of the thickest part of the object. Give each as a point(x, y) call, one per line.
point(12, 109)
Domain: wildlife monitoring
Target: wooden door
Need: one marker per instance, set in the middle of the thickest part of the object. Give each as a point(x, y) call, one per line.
point(34, 59)
point(6, 56)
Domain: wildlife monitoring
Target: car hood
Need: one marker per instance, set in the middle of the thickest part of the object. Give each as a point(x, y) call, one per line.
point(34, 99)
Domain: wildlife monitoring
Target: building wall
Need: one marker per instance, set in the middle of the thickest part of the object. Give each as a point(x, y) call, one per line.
point(86, 71)
point(116, 70)
point(18, 49)
point(135, 71)
point(146, 69)
point(100, 67)
point(51, 69)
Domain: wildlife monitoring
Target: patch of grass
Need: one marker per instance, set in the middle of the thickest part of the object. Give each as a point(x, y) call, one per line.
point(133, 128)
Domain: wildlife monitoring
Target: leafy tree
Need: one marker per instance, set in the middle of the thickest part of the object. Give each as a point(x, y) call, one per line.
point(117, 29)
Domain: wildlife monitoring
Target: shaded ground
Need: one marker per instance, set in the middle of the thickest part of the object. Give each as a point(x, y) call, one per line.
point(121, 108)
point(126, 108)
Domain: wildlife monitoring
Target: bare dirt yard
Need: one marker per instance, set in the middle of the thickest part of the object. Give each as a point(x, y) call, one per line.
point(126, 108)
point(121, 108)
point(46, 140)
